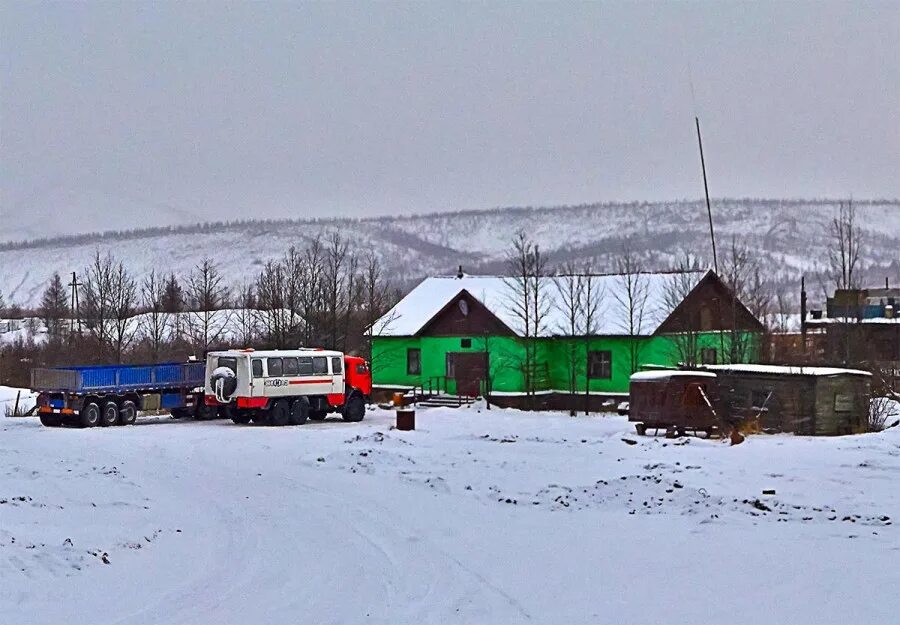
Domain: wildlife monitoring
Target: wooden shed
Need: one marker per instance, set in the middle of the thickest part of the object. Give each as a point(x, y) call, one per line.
point(803, 400)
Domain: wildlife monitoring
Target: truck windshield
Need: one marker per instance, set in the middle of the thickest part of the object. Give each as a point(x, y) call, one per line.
point(231, 363)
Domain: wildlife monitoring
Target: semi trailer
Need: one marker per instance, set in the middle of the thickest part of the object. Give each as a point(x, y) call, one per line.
point(105, 395)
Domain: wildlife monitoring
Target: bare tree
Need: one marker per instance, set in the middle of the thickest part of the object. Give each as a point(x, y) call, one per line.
point(846, 244)
point(155, 320)
point(528, 303)
point(247, 315)
point(685, 339)
point(124, 300)
point(207, 295)
point(570, 302)
point(270, 301)
point(97, 301)
point(741, 274)
point(631, 295)
point(593, 295)
point(375, 296)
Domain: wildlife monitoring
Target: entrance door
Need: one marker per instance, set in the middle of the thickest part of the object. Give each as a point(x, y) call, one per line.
point(469, 369)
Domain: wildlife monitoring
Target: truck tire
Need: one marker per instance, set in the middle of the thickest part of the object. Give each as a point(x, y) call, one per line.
point(89, 416)
point(241, 417)
point(127, 413)
point(205, 413)
point(180, 413)
point(51, 421)
point(354, 409)
point(299, 411)
point(280, 413)
point(110, 414)
point(317, 415)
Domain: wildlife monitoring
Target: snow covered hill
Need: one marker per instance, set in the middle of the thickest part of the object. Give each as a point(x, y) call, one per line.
point(790, 237)
point(476, 517)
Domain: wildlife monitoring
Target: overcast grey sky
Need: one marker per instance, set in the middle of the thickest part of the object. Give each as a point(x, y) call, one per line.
point(169, 111)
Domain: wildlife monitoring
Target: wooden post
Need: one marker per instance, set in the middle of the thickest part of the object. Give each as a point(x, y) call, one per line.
point(16, 408)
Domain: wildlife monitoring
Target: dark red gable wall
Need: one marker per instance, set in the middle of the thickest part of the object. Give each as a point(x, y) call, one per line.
point(712, 295)
point(450, 321)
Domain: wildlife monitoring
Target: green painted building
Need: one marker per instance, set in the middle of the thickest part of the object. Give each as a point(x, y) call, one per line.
point(466, 334)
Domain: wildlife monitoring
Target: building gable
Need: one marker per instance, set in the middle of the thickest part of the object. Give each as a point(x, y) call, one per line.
point(464, 315)
point(710, 306)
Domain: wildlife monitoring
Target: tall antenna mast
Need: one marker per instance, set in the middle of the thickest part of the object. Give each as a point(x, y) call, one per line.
point(712, 234)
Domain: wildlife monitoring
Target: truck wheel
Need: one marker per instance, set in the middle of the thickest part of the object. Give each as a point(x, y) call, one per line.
point(205, 413)
point(299, 411)
point(354, 409)
point(51, 421)
point(317, 415)
point(280, 413)
point(110, 414)
point(89, 415)
point(241, 417)
point(127, 413)
point(179, 413)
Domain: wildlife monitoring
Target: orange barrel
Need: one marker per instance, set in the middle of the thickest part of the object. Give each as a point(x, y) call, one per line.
point(406, 419)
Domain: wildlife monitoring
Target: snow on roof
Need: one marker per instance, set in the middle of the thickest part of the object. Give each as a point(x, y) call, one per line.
point(786, 370)
point(496, 293)
point(662, 374)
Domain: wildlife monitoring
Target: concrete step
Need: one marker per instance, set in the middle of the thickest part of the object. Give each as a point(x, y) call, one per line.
point(444, 401)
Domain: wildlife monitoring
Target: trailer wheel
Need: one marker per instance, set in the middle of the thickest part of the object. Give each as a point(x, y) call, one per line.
point(127, 413)
point(89, 416)
point(51, 421)
point(317, 415)
point(110, 414)
point(354, 409)
point(299, 411)
point(280, 413)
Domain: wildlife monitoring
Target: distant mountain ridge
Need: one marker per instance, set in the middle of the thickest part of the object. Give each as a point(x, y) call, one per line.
point(789, 236)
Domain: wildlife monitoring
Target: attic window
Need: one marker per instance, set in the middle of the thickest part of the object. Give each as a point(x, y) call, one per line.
point(464, 307)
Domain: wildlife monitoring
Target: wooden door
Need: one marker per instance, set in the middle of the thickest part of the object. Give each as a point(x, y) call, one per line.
point(469, 370)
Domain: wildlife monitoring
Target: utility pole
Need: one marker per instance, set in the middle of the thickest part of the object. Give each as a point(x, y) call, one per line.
point(73, 307)
point(712, 234)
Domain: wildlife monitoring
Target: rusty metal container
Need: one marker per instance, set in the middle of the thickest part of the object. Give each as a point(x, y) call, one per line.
point(399, 400)
point(675, 401)
point(406, 419)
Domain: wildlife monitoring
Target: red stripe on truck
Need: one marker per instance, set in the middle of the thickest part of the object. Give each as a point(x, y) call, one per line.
point(322, 381)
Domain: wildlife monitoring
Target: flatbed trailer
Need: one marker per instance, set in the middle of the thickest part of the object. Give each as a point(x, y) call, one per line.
point(87, 396)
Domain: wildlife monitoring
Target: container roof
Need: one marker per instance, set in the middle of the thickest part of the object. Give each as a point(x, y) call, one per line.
point(497, 294)
point(663, 374)
point(786, 370)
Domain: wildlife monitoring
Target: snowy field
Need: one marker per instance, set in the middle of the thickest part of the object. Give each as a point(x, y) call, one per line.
point(476, 517)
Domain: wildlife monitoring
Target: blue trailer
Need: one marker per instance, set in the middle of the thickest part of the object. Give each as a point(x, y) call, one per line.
point(113, 394)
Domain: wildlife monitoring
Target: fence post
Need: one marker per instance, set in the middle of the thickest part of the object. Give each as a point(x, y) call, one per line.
point(16, 408)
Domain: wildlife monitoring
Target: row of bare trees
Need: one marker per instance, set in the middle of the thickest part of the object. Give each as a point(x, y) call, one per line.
point(325, 294)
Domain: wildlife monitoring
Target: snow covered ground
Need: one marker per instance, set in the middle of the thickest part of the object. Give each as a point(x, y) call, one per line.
point(475, 517)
